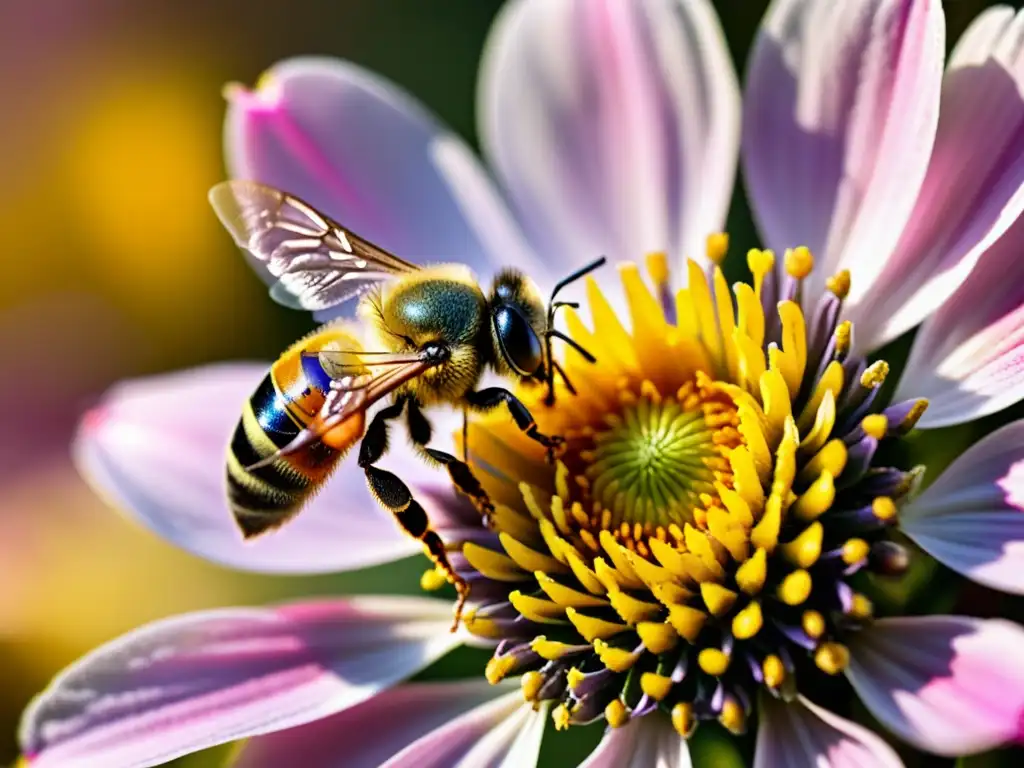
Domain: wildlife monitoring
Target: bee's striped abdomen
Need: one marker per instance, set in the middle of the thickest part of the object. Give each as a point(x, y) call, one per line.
point(266, 497)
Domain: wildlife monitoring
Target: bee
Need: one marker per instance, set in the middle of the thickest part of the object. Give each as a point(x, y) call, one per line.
point(439, 332)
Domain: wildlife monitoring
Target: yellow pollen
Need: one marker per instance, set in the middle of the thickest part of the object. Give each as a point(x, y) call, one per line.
point(875, 425)
point(574, 678)
point(561, 716)
point(861, 608)
point(916, 412)
point(883, 508)
point(683, 720)
point(799, 262)
point(531, 683)
point(813, 624)
point(747, 622)
point(795, 588)
point(657, 268)
point(713, 661)
point(497, 668)
point(717, 247)
point(839, 284)
point(774, 671)
point(656, 686)
point(874, 375)
point(832, 658)
point(733, 718)
point(432, 580)
point(616, 713)
point(751, 575)
point(855, 550)
point(844, 337)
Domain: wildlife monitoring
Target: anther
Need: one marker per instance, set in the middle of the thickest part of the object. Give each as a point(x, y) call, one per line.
point(813, 623)
point(683, 720)
point(883, 508)
point(713, 661)
point(861, 608)
point(795, 588)
point(774, 671)
point(839, 284)
point(498, 667)
point(854, 551)
point(733, 718)
point(561, 717)
point(844, 339)
point(874, 375)
point(875, 425)
point(432, 580)
point(799, 262)
point(717, 246)
point(832, 658)
point(616, 713)
point(654, 685)
point(747, 622)
point(751, 574)
point(805, 549)
point(531, 683)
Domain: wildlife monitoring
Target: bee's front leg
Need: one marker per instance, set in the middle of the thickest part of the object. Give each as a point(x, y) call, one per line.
point(492, 397)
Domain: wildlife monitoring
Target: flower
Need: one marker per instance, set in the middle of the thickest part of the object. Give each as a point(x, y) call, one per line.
point(727, 484)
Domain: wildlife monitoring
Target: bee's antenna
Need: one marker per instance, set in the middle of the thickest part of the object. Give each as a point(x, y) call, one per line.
point(552, 366)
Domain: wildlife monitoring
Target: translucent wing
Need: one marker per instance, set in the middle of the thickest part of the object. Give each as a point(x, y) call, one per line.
point(355, 386)
point(309, 260)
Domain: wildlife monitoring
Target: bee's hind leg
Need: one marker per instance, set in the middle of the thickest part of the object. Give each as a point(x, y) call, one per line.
point(462, 476)
point(395, 496)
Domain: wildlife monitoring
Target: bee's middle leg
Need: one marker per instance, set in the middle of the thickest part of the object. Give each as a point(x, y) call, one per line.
point(462, 476)
point(394, 495)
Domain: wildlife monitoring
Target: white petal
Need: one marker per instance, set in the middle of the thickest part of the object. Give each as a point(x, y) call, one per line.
point(974, 189)
point(366, 153)
point(800, 733)
point(366, 735)
point(645, 742)
point(183, 684)
point(840, 115)
point(972, 517)
point(968, 358)
point(505, 733)
point(946, 684)
point(613, 126)
point(156, 448)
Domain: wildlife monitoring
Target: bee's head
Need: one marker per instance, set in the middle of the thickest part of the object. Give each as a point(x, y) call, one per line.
point(517, 325)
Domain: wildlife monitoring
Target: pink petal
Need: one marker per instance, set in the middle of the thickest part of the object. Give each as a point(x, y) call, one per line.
point(613, 125)
point(646, 742)
point(156, 448)
point(972, 517)
point(366, 735)
point(505, 733)
point(193, 681)
point(841, 111)
point(974, 190)
point(802, 733)
point(968, 358)
point(364, 152)
point(946, 684)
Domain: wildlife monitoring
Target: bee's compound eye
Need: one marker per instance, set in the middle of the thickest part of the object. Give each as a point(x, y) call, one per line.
point(519, 344)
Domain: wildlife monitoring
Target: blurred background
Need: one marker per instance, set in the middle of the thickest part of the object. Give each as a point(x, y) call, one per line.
point(115, 266)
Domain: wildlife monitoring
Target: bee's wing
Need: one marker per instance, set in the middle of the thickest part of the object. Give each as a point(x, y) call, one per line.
point(309, 260)
point(354, 388)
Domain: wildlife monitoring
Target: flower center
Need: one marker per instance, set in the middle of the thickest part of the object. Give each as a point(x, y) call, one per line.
point(697, 538)
point(657, 461)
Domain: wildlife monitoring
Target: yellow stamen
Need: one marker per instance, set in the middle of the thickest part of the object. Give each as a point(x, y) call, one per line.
point(747, 622)
point(861, 608)
point(883, 508)
point(687, 621)
point(616, 714)
point(591, 628)
point(805, 549)
point(855, 550)
point(657, 268)
point(498, 668)
point(717, 247)
point(795, 588)
point(817, 499)
point(717, 598)
point(656, 686)
point(683, 720)
point(875, 425)
point(531, 682)
point(733, 718)
point(713, 661)
point(616, 659)
point(432, 580)
point(761, 264)
point(549, 649)
point(839, 284)
point(832, 658)
point(657, 637)
point(799, 262)
point(813, 624)
point(561, 716)
point(874, 375)
point(750, 576)
point(774, 671)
